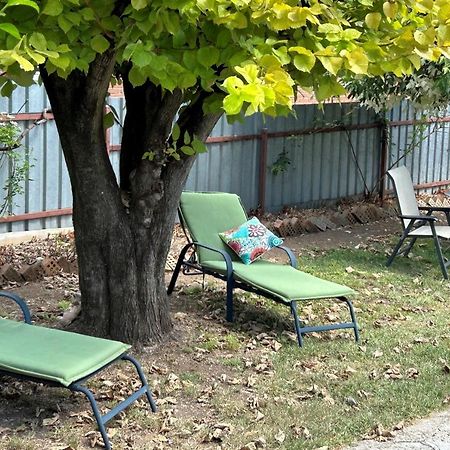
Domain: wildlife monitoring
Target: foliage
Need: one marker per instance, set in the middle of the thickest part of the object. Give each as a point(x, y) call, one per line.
point(19, 168)
point(18, 164)
point(9, 133)
point(428, 88)
point(249, 54)
point(282, 163)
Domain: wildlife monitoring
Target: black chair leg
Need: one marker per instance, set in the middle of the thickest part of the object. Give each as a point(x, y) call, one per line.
point(230, 307)
point(297, 324)
point(177, 269)
point(352, 315)
point(410, 246)
point(439, 254)
point(96, 411)
point(396, 249)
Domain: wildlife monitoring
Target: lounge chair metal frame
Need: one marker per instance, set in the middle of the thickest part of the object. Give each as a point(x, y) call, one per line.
point(190, 265)
point(416, 222)
point(79, 385)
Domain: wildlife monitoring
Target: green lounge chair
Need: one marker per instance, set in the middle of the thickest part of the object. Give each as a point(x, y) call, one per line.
point(416, 225)
point(209, 213)
point(63, 359)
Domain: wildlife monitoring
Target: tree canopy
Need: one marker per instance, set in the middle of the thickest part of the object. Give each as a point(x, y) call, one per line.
point(251, 53)
point(428, 89)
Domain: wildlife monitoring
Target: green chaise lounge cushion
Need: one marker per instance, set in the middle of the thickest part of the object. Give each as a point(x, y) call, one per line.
point(206, 215)
point(283, 281)
point(51, 354)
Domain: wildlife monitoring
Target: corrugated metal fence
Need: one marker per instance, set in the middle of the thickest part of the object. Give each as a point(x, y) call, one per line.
point(327, 154)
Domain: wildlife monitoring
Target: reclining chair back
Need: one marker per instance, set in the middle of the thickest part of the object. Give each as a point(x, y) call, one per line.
point(205, 215)
point(404, 191)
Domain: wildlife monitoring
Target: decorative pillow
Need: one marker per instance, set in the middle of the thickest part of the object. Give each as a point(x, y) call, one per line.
point(250, 240)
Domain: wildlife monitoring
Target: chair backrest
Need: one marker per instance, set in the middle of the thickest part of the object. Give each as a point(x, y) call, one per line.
point(206, 214)
point(404, 190)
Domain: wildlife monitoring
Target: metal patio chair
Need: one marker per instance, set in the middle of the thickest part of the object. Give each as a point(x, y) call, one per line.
point(416, 225)
point(205, 214)
point(63, 359)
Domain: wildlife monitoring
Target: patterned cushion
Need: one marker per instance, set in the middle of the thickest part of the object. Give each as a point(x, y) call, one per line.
point(250, 240)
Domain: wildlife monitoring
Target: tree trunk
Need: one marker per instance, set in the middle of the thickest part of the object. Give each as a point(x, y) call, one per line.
point(121, 246)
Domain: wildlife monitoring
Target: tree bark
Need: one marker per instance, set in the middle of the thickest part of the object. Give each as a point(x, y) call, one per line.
point(122, 246)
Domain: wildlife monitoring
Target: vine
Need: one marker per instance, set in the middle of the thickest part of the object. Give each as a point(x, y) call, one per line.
point(17, 162)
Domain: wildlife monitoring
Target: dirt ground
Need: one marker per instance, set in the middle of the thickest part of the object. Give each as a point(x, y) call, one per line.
point(41, 417)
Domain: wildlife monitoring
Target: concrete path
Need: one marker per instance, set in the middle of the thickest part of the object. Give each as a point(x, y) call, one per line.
point(431, 433)
point(16, 237)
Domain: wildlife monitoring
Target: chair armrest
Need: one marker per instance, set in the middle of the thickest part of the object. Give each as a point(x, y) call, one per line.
point(21, 302)
point(290, 253)
point(420, 217)
point(435, 208)
point(225, 256)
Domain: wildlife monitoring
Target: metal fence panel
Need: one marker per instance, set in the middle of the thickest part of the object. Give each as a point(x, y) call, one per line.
point(423, 147)
point(325, 165)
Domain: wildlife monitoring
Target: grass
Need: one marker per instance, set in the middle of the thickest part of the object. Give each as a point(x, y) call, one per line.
point(248, 383)
point(339, 391)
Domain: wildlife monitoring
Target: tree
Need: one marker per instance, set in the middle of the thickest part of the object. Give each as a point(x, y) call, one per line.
point(182, 64)
point(428, 89)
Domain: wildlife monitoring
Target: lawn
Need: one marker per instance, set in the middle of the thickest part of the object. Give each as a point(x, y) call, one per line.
point(247, 385)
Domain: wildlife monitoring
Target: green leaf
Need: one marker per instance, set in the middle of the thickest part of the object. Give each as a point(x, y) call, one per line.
point(331, 63)
point(223, 38)
point(357, 61)
point(136, 77)
point(141, 57)
point(149, 155)
point(28, 3)
point(186, 80)
point(232, 104)
point(36, 57)
point(189, 151)
point(38, 41)
point(138, 4)
point(329, 87)
point(304, 60)
point(108, 120)
point(10, 29)
point(208, 56)
point(179, 39)
point(7, 88)
point(53, 8)
point(176, 132)
point(88, 14)
point(99, 43)
point(61, 61)
point(187, 138)
point(199, 146)
point(23, 62)
point(190, 60)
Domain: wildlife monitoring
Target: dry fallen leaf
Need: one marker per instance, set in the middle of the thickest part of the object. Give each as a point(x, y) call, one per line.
point(301, 432)
point(50, 421)
point(259, 416)
point(351, 401)
point(412, 372)
point(377, 354)
point(280, 436)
